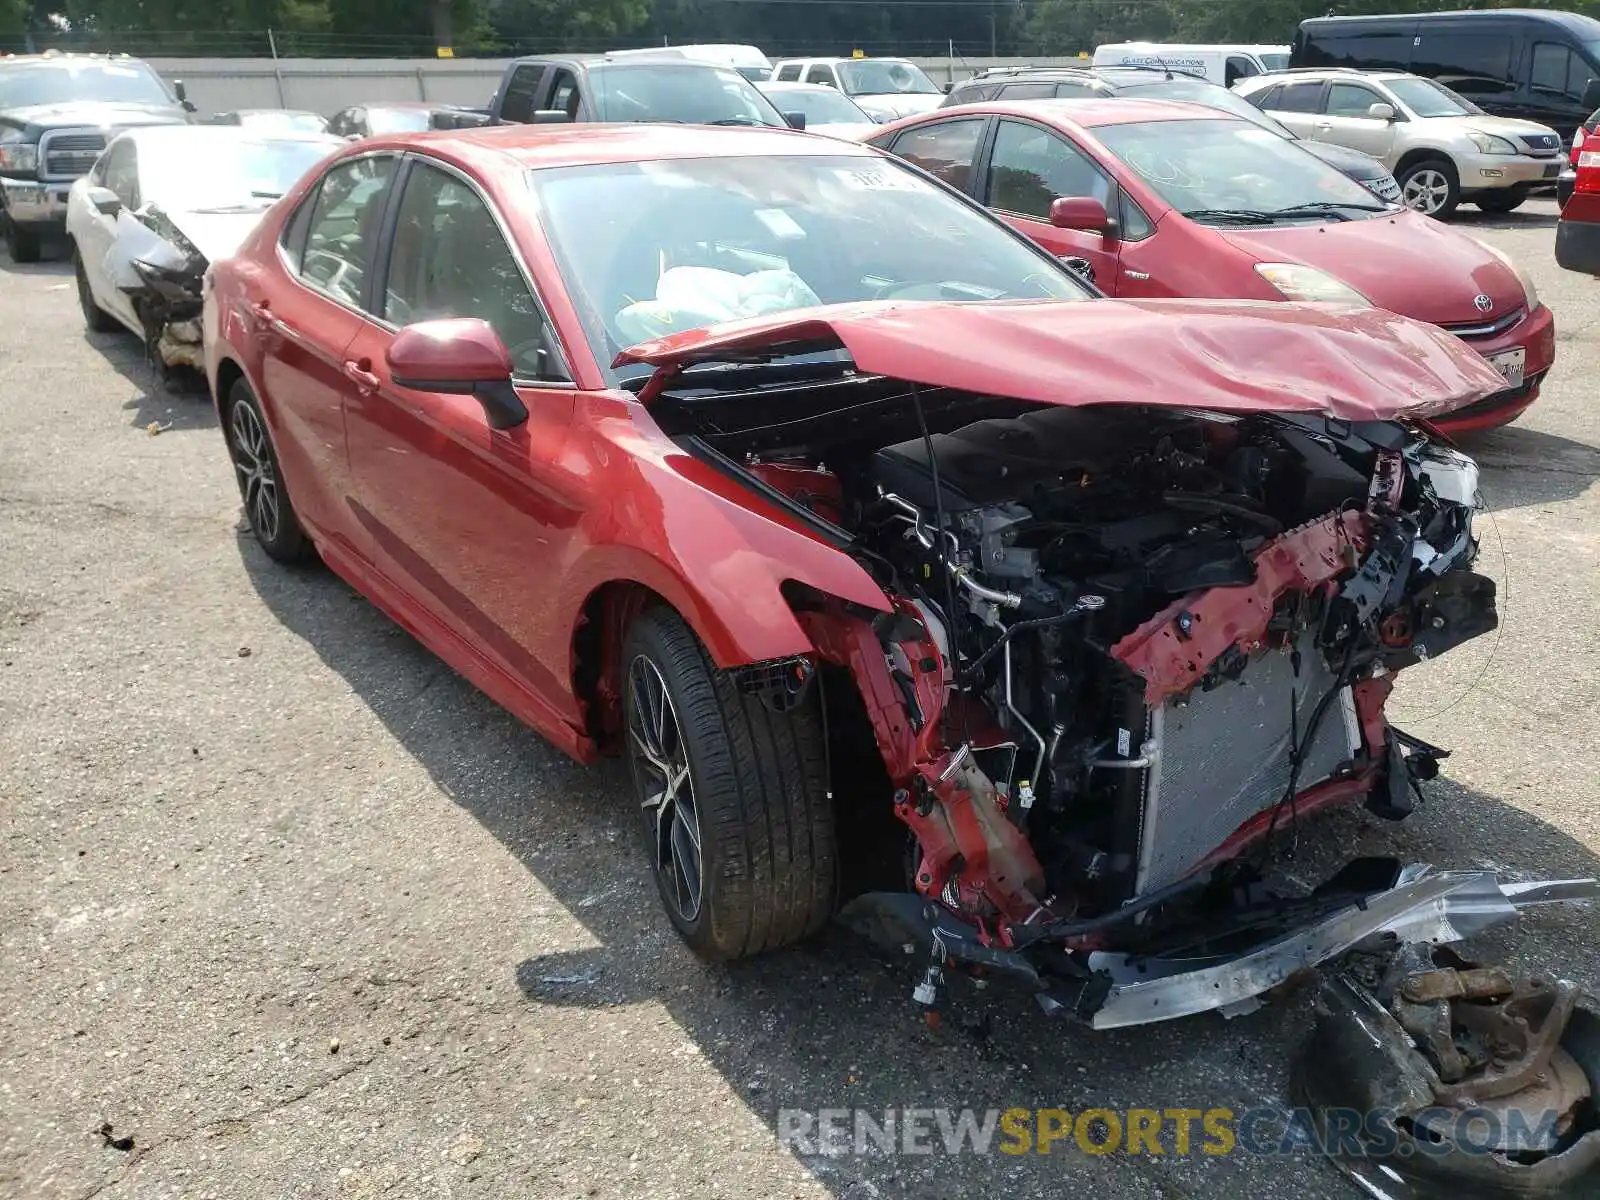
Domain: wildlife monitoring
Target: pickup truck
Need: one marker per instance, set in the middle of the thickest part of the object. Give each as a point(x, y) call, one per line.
point(633, 88)
point(57, 112)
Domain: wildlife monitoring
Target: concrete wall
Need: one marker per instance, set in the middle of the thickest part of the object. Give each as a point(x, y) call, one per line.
point(326, 85)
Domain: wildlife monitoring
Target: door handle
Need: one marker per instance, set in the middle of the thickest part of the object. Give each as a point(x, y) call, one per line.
point(1324, 124)
point(358, 374)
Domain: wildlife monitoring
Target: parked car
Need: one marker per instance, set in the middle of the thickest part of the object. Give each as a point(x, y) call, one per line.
point(749, 61)
point(160, 205)
point(1156, 198)
point(1442, 148)
point(825, 109)
point(642, 88)
point(1224, 65)
point(1076, 83)
point(395, 116)
point(57, 112)
point(1568, 179)
point(272, 120)
point(885, 88)
point(1052, 502)
point(1534, 64)
point(1578, 230)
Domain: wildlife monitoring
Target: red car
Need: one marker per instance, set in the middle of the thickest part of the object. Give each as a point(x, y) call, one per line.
point(1578, 231)
point(893, 537)
point(1158, 198)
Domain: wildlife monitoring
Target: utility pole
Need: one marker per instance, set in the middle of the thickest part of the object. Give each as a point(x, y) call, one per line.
point(992, 52)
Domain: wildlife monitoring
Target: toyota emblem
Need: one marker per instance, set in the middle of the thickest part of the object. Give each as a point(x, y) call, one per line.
point(1482, 303)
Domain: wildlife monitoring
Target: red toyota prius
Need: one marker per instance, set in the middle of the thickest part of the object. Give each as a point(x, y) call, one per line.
point(866, 532)
point(1157, 198)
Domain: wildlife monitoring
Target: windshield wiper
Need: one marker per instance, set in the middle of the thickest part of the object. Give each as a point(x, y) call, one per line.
point(1240, 216)
point(734, 121)
point(1333, 208)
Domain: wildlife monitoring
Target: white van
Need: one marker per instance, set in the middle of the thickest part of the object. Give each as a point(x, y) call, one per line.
point(747, 60)
point(1220, 64)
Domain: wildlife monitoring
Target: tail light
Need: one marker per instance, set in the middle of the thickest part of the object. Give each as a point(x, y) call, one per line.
point(1577, 146)
point(1589, 171)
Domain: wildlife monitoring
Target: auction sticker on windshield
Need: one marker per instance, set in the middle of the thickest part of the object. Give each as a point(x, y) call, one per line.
point(877, 179)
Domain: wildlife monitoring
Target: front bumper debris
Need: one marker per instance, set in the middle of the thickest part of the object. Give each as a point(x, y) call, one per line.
point(1182, 974)
point(1435, 1077)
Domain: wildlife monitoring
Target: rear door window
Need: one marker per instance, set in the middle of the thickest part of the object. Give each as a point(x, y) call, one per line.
point(821, 73)
point(789, 73)
point(342, 234)
point(1237, 68)
point(945, 149)
point(1299, 97)
point(1558, 70)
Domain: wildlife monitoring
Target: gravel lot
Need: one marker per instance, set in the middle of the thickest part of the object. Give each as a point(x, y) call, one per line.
point(296, 910)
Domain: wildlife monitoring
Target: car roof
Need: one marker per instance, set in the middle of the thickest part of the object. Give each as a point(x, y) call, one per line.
point(793, 85)
point(1116, 75)
point(1098, 111)
point(538, 146)
point(842, 59)
point(1579, 22)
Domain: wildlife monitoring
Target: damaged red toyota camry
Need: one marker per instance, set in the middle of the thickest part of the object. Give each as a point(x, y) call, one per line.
point(866, 533)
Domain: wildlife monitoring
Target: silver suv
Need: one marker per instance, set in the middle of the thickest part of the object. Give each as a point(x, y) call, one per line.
point(1443, 149)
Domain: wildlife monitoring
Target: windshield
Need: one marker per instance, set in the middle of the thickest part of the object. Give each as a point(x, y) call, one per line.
point(283, 122)
point(1211, 96)
point(1274, 62)
point(203, 173)
point(882, 76)
point(1228, 172)
point(689, 95)
point(653, 248)
point(756, 74)
point(822, 106)
point(58, 82)
point(1425, 98)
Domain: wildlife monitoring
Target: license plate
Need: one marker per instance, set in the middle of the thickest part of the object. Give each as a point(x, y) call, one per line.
point(1551, 170)
point(1510, 364)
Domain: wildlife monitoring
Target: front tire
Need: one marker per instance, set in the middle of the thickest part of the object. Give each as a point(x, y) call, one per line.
point(255, 464)
point(1430, 187)
point(97, 319)
point(734, 796)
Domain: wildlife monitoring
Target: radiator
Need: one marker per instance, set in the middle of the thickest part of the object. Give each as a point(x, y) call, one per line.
point(1223, 757)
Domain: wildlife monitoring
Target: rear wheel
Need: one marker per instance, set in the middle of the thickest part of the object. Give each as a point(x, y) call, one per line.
point(266, 502)
point(96, 318)
point(733, 795)
point(1504, 201)
point(23, 245)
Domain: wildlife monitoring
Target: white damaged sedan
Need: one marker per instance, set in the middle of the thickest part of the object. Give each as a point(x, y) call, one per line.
point(160, 205)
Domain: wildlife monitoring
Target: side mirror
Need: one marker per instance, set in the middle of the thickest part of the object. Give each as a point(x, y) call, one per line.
point(550, 116)
point(182, 93)
point(458, 356)
point(1381, 111)
point(1081, 212)
point(796, 120)
point(105, 201)
point(1591, 95)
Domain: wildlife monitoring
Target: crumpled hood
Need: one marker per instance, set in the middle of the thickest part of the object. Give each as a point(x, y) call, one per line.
point(894, 105)
point(216, 235)
point(1404, 262)
point(1231, 355)
point(97, 114)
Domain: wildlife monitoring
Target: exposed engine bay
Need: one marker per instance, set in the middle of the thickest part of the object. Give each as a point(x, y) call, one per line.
point(1129, 649)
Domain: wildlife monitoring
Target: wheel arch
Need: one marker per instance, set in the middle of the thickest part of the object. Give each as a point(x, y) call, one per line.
point(1421, 154)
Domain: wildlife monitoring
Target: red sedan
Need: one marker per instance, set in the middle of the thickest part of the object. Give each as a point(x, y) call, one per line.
point(856, 523)
point(1156, 198)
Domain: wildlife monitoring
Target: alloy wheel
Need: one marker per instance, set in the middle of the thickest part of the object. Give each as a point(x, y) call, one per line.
point(661, 770)
point(1426, 191)
point(258, 481)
